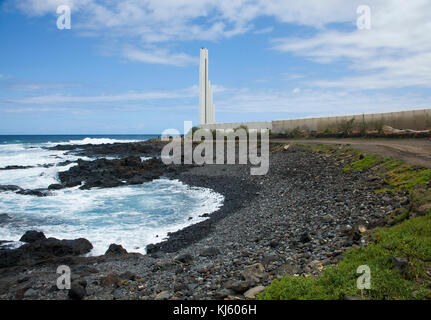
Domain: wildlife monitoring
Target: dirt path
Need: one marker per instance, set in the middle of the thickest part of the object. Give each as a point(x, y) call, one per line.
point(412, 151)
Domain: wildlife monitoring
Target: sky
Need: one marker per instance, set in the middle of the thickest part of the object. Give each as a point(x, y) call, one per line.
point(132, 67)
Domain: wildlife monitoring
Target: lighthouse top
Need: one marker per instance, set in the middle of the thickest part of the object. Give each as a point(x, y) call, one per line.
point(206, 106)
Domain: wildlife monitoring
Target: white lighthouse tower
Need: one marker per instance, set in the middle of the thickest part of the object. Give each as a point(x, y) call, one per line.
point(206, 106)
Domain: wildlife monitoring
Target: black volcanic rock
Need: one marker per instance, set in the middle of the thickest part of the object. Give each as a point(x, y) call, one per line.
point(55, 186)
point(105, 173)
point(9, 188)
point(115, 250)
point(16, 189)
point(43, 249)
point(151, 148)
point(261, 221)
point(32, 236)
point(35, 192)
point(16, 167)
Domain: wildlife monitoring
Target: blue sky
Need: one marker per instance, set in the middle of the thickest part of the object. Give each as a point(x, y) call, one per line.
point(132, 66)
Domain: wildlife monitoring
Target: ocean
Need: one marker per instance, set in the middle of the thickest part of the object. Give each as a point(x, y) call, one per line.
point(133, 216)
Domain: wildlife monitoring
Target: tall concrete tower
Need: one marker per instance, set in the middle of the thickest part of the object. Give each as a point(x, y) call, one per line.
point(206, 106)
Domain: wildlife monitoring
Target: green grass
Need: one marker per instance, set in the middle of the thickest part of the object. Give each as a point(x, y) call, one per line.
point(365, 163)
point(409, 238)
point(406, 177)
point(391, 164)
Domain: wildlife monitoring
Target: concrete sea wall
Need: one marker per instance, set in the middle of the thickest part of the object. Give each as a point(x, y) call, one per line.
point(412, 119)
point(234, 125)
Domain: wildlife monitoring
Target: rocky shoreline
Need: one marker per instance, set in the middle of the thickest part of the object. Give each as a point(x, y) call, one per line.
point(299, 217)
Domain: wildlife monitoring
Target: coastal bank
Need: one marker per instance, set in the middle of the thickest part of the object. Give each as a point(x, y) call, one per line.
point(298, 220)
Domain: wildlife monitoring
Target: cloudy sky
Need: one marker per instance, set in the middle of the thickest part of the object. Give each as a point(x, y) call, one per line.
point(129, 66)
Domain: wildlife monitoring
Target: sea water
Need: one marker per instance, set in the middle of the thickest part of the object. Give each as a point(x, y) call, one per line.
point(132, 216)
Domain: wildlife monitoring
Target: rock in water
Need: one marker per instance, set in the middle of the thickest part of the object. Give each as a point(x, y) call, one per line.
point(43, 249)
point(55, 186)
point(32, 236)
point(115, 250)
point(9, 188)
point(105, 173)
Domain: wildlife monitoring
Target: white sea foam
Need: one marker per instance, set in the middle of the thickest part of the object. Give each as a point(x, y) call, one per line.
point(132, 216)
point(36, 157)
point(94, 141)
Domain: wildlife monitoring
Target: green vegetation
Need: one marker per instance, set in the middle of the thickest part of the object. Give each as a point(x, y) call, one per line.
point(363, 126)
point(346, 126)
point(409, 237)
point(364, 163)
point(406, 177)
point(379, 125)
point(327, 132)
point(294, 133)
point(391, 164)
point(398, 176)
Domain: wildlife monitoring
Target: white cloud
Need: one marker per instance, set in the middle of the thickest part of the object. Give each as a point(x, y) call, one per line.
point(291, 76)
point(395, 53)
point(159, 56)
point(293, 102)
point(264, 30)
point(316, 102)
point(14, 84)
point(161, 22)
point(131, 96)
point(111, 98)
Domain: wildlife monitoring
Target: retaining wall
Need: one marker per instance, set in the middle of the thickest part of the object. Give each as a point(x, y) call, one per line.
point(412, 119)
point(234, 125)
